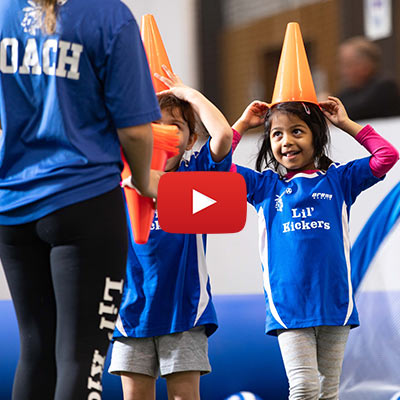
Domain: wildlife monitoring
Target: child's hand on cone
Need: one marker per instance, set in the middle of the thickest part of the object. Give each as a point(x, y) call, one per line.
point(252, 117)
point(175, 84)
point(335, 112)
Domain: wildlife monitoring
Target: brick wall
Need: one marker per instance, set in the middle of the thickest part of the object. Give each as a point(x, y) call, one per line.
point(239, 12)
point(250, 53)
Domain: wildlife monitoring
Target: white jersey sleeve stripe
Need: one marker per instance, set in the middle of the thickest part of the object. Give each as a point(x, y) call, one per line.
point(120, 326)
point(346, 245)
point(262, 238)
point(204, 298)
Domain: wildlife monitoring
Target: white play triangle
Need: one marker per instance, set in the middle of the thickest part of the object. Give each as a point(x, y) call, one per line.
point(201, 201)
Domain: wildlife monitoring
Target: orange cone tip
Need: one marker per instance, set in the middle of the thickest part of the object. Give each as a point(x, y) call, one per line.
point(155, 50)
point(293, 81)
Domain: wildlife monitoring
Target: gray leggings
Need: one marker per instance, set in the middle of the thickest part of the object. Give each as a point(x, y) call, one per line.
point(313, 360)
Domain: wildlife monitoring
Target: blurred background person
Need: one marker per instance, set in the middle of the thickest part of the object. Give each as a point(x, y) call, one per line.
point(366, 92)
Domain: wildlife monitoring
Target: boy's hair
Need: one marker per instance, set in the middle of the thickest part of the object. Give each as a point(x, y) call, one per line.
point(50, 15)
point(173, 104)
point(312, 115)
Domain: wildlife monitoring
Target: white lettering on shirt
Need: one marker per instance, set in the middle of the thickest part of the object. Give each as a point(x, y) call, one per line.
point(49, 46)
point(62, 52)
point(303, 225)
point(7, 67)
point(322, 196)
point(31, 59)
point(73, 60)
point(155, 225)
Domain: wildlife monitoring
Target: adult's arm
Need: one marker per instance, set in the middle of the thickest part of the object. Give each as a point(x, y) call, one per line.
point(137, 145)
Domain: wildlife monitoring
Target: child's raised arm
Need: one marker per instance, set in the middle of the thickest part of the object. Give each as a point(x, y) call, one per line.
point(214, 121)
point(253, 116)
point(384, 155)
point(335, 112)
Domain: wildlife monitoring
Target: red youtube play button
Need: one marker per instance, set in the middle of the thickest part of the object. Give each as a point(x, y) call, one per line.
point(202, 202)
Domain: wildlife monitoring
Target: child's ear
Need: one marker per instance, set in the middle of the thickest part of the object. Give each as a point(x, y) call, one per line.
point(192, 140)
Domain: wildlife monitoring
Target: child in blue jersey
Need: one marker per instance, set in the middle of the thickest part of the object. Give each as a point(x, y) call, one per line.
point(303, 205)
point(166, 313)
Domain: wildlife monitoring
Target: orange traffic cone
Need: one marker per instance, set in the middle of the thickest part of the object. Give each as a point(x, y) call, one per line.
point(293, 81)
point(155, 50)
point(165, 138)
point(141, 209)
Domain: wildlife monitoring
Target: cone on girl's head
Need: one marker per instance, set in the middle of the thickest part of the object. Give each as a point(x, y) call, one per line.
point(140, 208)
point(155, 50)
point(293, 81)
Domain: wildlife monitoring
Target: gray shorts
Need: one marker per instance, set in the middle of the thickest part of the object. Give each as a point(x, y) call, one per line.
point(162, 355)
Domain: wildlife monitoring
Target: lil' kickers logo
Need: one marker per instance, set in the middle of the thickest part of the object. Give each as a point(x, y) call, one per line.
point(279, 201)
point(302, 218)
point(300, 223)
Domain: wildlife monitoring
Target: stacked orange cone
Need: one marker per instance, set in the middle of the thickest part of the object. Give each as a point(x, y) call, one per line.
point(141, 209)
point(155, 50)
point(165, 137)
point(293, 81)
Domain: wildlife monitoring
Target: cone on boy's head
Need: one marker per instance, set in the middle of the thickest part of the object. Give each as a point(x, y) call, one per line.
point(155, 50)
point(293, 81)
point(165, 137)
point(140, 208)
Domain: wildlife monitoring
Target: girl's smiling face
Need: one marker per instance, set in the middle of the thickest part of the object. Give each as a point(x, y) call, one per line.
point(291, 142)
point(173, 116)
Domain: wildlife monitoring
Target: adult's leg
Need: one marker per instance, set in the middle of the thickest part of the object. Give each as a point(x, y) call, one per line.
point(331, 343)
point(88, 261)
point(26, 263)
point(299, 354)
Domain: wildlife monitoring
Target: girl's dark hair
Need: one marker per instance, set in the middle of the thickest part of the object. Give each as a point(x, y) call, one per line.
point(50, 15)
point(312, 115)
point(173, 104)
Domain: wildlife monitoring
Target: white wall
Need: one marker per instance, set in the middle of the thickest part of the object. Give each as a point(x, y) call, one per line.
point(176, 21)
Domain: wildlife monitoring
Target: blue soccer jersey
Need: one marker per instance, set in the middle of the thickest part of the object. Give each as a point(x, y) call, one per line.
point(304, 243)
point(167, 286)
point(61, 99)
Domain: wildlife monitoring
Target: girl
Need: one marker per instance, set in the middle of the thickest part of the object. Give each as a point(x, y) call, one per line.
point(303, 205)
point(166, 313)
point(74, 87)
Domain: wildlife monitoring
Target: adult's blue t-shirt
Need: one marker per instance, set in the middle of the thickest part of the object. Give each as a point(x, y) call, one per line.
point(62, 98)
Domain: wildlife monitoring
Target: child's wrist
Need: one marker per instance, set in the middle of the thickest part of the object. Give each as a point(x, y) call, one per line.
point(186, 93)
point(241, 126)
point(191, 94)
point(351, 127)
